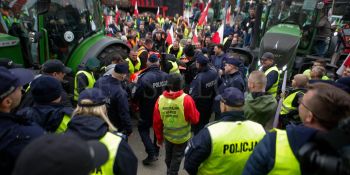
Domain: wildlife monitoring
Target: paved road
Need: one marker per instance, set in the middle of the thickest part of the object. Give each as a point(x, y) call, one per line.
point(158, 167)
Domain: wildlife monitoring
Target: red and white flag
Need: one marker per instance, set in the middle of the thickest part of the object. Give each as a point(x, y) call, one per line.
point(218, 36)
point(170, 37)
point(228, 15)
point(117, 14)
point(195, 36)
point(204, 14)
point(136, 11)
point(346, 63)
point(157, 15)
point(108, 20)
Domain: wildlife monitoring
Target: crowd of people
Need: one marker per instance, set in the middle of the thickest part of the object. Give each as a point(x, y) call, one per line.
point(173, 87)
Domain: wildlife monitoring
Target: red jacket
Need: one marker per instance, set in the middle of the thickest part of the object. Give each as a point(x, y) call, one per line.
point(190, 110)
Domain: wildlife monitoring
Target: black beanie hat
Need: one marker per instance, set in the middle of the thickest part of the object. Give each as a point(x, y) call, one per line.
point(45, 89)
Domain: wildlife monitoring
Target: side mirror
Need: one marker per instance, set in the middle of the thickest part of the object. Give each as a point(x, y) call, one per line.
point(43, 6)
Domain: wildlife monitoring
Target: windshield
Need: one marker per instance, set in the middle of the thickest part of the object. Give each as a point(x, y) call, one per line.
point(69, 22)
point(298, 12)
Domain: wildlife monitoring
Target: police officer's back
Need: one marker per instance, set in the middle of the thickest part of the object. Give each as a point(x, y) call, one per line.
point(224, 146)
point(90, 122)
point(202, 90)
point(47, 110)
point(117, 103)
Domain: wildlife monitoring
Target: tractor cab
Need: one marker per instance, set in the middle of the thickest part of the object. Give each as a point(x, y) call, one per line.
point(70, 30)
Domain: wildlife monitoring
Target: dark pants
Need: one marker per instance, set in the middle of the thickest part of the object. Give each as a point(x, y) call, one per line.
point(205, 114)
point(151, 147)
point(173, 156)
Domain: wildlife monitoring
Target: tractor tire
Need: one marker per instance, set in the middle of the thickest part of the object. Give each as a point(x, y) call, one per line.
point(106, 55)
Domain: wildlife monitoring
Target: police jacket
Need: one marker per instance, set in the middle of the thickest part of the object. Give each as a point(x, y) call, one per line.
point(94, 128)
point(263, 158)
point(48, 116)
point(15, 133)
point(150, 85)
point(199, 147)
point(117, 103)
point(219, 61)
point(231, 80)
point(202, 88)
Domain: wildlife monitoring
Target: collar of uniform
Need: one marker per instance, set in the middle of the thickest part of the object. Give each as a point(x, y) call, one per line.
point(152, 67)
point(233, 116)
point(234, 74)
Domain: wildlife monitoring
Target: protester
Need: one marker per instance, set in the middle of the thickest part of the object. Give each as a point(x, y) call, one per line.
point(16, 132)
point(271, 71)
point(259, 106)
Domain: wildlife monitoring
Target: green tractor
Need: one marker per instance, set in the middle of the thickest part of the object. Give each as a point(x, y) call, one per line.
point(70, 30)
point(287, 29)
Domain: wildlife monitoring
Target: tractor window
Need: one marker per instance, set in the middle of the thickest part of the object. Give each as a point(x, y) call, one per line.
point(68, 23)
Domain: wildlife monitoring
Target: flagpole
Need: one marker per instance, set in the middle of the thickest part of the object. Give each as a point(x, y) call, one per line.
point(226, 5)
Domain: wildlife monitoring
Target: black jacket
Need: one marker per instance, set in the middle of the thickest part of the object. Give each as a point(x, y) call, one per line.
point(231, 80)
point(48, 116)
point(150, 85)
point(94, 128)
point(117, 104)
point(15, 134)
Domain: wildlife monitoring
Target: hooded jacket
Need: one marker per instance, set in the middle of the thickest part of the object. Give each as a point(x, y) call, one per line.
point(94, 128)
point(190, 112)
point(260, 107)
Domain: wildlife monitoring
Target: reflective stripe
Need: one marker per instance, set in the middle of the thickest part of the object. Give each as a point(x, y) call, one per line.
point(91, 81)
point(232, 144)
point(134, 68)
point(274, 87)
point(287, 103)
point(63, 125)
point(285, 160)
point(112, 142)
point(175, 68)
point(179, 53)
point(176, 129)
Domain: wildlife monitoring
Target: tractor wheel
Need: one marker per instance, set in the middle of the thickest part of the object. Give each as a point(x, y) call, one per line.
point(106, 55)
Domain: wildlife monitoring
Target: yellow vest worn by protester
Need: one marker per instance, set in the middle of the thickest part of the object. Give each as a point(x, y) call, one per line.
point(307, 72)
point(287, 103)
point(134, 68)
point(111, 141)
point(274, 87)
point(232, 144)
point(63, 125)
point(175, 127)
point(285, 160)
point(179, 53)
point(175, 68)
point(91, 81)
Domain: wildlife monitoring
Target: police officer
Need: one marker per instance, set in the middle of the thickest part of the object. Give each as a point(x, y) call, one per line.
point(289, 110)
point(117, 103)
point(134, 61)
point(231, 78)
point(151, 83)
point(90, 122)
point(47, 110)
point(271, 72)
point(223, 147)
point(15, 131)
point(54, 68)
point(322, 107)
point(85, 77)
point(202, 90)
point(175, 49)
